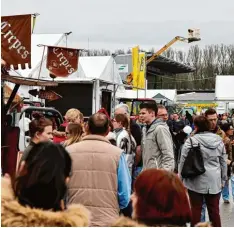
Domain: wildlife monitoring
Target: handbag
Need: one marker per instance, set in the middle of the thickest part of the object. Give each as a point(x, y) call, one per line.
point(193, 164)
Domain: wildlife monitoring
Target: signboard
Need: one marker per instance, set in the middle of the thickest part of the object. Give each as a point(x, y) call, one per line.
point(16, 40)
point(61, 62)
point(43, 94)
point(122, 68)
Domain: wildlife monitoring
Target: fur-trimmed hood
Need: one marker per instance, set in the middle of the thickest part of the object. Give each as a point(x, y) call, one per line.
point(14, 214)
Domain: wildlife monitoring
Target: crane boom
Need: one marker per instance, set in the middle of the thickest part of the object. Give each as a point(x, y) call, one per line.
point(164, 48)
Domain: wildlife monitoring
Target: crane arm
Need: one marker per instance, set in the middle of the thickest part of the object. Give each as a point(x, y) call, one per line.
point(164, 48)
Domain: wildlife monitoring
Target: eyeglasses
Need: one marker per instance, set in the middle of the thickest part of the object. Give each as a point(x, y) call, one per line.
point(163, 115)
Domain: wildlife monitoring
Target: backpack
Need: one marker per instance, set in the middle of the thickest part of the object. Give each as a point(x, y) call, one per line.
point(193, 164)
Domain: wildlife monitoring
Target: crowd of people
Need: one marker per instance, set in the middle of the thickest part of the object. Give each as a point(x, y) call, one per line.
point(121, 172)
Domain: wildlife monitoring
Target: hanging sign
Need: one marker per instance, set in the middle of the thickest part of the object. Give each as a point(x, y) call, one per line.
point(62, 62)
point(16, 40)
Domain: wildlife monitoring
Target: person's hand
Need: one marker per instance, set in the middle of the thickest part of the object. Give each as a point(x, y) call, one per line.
point(228, 162)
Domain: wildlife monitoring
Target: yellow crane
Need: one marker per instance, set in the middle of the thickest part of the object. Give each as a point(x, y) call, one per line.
point(193, 36)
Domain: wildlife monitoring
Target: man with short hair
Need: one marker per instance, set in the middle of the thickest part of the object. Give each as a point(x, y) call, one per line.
point(163, 114)
point(101, 180)
point(212, 116)
point(157, 145)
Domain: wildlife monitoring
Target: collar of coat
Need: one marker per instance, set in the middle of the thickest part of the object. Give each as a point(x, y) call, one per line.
point(151, 127)
point(15, 215)
point(96, 137)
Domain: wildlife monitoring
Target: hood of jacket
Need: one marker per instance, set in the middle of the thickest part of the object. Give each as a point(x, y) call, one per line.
point(208, 139)
point(155, 124)
point(15, 215)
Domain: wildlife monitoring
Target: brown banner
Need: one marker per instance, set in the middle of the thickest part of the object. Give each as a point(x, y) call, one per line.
point(61, 62)
point(16, 40)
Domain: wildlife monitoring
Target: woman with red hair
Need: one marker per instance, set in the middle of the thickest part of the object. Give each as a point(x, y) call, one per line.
point(159, 199)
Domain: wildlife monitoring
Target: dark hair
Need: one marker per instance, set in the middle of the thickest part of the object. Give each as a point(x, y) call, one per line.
point(161, 199)
point(38, 124)
point(41, 184)
point(98, 124)
point(150, 106)
point(202, 123)
point(210, 111)
point(226, 126)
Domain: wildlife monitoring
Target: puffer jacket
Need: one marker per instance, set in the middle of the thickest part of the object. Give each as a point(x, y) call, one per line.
point(157, 146)
point(15, 215)
point(214, 156)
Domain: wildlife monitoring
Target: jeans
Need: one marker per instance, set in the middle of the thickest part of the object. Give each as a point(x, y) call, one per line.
point(232, 186)
point(203, 212)
point(225, 191)
point(212, 202)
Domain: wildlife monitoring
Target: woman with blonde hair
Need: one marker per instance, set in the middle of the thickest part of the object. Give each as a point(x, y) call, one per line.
point(73, 115)
point(74, 133)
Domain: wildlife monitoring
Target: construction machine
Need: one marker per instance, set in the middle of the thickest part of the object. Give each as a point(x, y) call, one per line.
point(193, 35)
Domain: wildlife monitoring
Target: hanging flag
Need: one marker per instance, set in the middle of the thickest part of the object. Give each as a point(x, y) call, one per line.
point(16, 40)
point(61, 61)
point(135, 66)
point(141, 76)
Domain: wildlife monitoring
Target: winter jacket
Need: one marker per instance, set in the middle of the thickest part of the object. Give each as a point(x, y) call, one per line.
point(126, 143)
point(214, 156)
point(94, 182)
point(15, 215)
point(157, 146)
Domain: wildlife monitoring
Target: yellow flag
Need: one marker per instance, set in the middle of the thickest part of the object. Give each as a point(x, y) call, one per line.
point(135, 66)
point(141, 75)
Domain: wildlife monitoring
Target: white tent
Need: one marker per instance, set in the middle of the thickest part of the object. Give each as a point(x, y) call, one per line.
point(224, 93)
point(36, 56)
point(103, 68)
point(224, 88)
point(168, 93)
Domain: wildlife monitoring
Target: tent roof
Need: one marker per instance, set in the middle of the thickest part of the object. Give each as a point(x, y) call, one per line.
point(196, 97)
point(95, 67)
point(168, 93)
point(224, 87)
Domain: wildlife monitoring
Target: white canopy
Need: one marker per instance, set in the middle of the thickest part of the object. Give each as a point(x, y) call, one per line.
point(168, 93)
point(89, 68)
point(224, 88)
point(103, 68)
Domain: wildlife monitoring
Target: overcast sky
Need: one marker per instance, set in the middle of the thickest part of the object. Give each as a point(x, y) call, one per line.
point(124, 23)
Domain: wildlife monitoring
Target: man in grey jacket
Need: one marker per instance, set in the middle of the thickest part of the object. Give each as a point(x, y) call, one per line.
point(157, 145)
